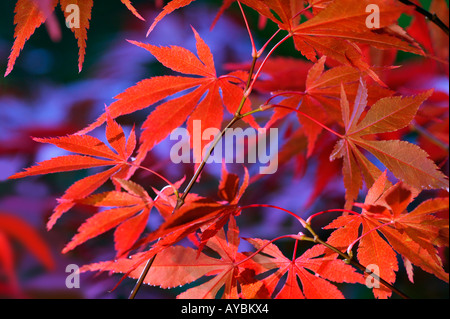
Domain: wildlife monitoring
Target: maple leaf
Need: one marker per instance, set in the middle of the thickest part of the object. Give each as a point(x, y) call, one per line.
point(85, 8)
point(315, 285)
point(130, 214)
point(178, 266)
point(414, 235)
point(173, 113)
point(336, 29)
point(205, 213)
point(320, 99)
point(29, 16)
point(406, 161)
point(92, 153)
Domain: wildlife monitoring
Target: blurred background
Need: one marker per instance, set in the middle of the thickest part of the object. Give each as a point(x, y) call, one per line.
point(46, 96)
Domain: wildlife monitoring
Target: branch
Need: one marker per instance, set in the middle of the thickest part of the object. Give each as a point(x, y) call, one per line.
point(430, 16)
point(180, 199)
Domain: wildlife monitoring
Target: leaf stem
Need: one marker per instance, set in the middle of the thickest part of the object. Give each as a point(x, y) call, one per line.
point(283, 93)
point(308, 221)
point(237, 116)
point(310, 118)
point(430, 16)
point(254, 52)
point(296, 237)
point(175, 190)
point(350, 247)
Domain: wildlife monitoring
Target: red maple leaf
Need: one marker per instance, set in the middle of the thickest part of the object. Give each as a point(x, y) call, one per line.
point(208, 110)
point(405, 160)
point(92, 153)
point(178, 266)
point(129, 213)
point(314, 269)
point(204, 213)
point(415, 235)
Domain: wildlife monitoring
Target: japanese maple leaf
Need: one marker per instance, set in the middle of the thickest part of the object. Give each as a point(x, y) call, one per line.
point(29, 16)
point(406, 161)
point(314, 269)
point(92, 153)
point(336, 29)
point(129, 213)
point(191, 106)
point(12, 230)
point(204, 213)
point(178, 266)
point(285, 10)
point(414, 235)
point(320, 99)
point(168, 8)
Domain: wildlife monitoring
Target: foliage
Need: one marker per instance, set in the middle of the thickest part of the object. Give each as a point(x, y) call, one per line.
point(352, 121)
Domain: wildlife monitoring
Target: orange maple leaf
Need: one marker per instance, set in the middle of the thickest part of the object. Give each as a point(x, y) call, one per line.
point(92, 153)
point(29, 16)
point(415, 235)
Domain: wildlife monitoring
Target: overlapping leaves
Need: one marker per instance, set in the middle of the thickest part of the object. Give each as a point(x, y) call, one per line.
point(31, 14)
point(91, 153)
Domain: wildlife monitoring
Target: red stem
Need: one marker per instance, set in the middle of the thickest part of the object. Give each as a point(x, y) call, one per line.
point(310, 118)
point(276, 207)
point(283, 93)
point(157, 174)
point(350, 247)
point(330, 211)
point(267, 43)
point(249, 89)
point(294, 254)
point(301, 11)
point(296, 237)
point(254, 52)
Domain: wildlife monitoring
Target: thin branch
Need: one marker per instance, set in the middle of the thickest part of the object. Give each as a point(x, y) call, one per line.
point(237, 116)
point(203, 163)
point(142, 277)
point(430, 16)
